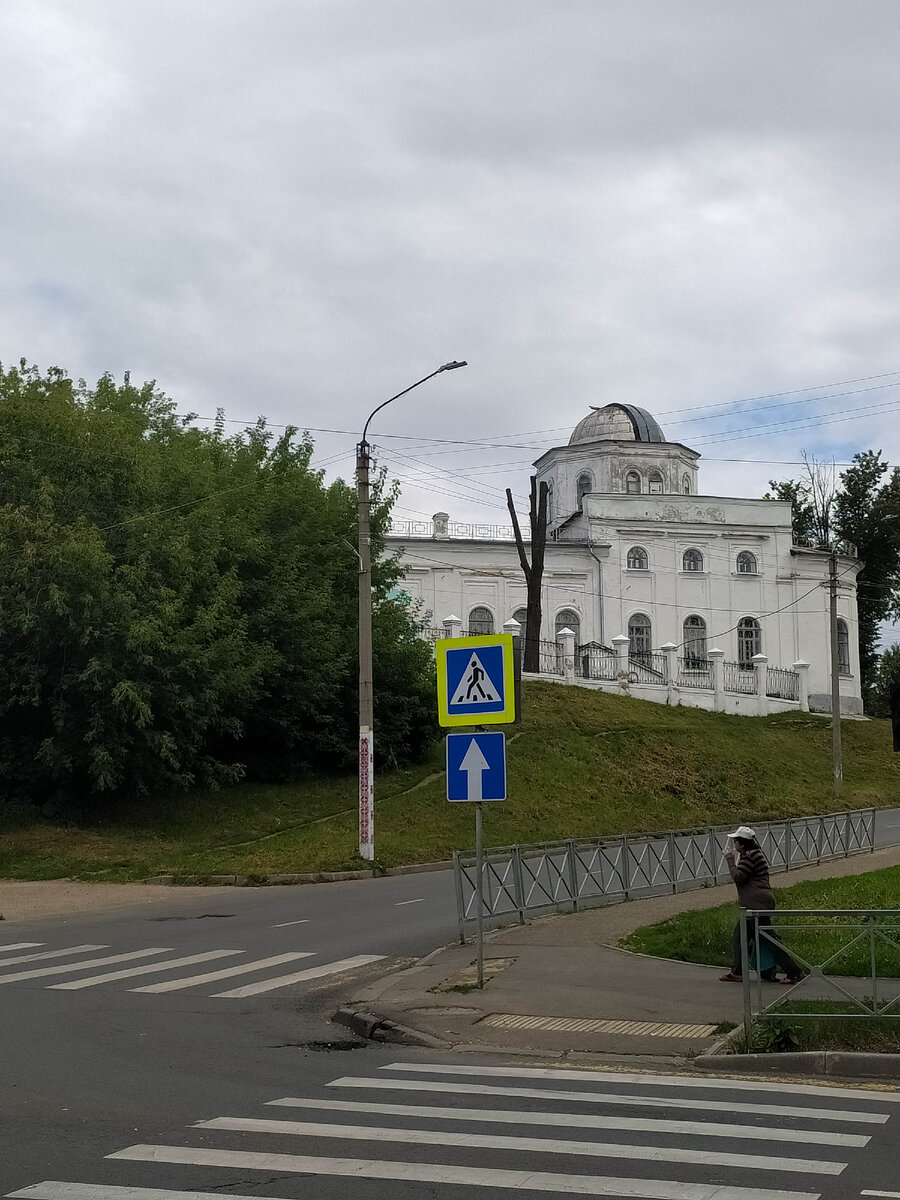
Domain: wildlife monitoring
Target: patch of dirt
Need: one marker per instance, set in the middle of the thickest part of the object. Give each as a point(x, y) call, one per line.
point(25, 901)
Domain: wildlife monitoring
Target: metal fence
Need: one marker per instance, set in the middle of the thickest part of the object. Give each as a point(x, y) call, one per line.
point(782, 683)
point(738, 678)
point(648, 667)
point(551, 660)
point(520, 881)
point(695, 673)
point(871, 937)
point(596, 662)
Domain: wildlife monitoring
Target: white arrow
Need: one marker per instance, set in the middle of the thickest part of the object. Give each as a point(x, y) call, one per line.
point(474, 763)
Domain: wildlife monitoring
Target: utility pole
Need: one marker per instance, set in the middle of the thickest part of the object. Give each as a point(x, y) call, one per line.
point(835, 678)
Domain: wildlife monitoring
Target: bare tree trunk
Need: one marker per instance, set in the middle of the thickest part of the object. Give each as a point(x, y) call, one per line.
point(534, 570)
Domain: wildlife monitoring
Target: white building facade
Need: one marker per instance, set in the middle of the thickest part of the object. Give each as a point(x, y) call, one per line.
point(636, 552)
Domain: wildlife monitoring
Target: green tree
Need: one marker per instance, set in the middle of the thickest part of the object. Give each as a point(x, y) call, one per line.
point(885, 674)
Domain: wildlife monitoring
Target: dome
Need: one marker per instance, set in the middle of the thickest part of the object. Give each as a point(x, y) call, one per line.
point(617, 423)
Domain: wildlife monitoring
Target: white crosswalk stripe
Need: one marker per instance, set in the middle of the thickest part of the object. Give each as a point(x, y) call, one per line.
point(18, 946)
point(332, 968)
point(45, 954)
point(174, 985)
point(168, 964)
point(85, 964)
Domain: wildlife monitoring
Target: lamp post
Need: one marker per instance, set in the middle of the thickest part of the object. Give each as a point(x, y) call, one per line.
point(366, 690)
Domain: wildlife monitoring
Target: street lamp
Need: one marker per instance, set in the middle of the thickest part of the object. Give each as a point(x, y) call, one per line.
point(366, 691)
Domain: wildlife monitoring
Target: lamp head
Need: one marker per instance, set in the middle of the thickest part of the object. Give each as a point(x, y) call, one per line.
point(451, 366)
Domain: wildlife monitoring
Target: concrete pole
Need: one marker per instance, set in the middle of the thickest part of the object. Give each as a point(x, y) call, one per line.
point(837, 763)
point(366, 688)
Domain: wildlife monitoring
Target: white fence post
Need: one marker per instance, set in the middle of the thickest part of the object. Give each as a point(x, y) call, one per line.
point(802, 669)
point(760, 663)
point(452, 627)
point(670, 650)
point(717, 669)
point(566, 641)
point(620, 644)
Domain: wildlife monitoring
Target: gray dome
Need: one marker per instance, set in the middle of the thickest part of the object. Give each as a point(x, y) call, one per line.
point(617, 423)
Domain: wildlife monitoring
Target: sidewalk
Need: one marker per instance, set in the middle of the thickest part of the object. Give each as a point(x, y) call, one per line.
point(558, 986)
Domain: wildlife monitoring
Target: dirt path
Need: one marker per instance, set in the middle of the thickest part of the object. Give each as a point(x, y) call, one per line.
point(23, 901)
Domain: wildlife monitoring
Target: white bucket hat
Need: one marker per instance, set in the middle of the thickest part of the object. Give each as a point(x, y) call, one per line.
point(745, 833)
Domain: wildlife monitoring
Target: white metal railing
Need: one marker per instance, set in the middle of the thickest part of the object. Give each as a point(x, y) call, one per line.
point(782, 683)
point(456, 529)
point(695, 673)
point(580, 872)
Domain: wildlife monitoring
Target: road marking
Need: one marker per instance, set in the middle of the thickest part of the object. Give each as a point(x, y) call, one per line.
point(270, 985)
point(20, 946)
point(168, 964)
point(539, 1181)
point(53, 1189)
point(505, 1116)
point(889, 1195)
point(649, 1080)
point(772, 1110)
point(85, 963)
point(480, 1141)
point(400, 903)
point(24, 958)
point(174, 985)
point(284, 924)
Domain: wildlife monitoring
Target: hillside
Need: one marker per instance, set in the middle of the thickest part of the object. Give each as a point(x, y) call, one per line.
point(581, 763)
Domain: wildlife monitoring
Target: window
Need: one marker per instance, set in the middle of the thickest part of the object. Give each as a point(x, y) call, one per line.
point(843, 647)
point(584, 485)
point(639, 639)
point(692, 560)
point(481, 620)
point(633, 483)
point(521, 615)
point(550, 502)
point(695, 641)
point(749, 641)
point(686, 484)
point(569, 619)
point(746, 563)
point(656, 483)
point(637, 559)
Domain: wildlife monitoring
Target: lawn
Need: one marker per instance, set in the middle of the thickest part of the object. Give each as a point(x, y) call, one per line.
point(582, 763)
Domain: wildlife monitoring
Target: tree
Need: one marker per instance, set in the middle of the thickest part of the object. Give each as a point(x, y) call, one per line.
point(885, 675)
point(534, 570)
point(175, 604)
point(812, 500)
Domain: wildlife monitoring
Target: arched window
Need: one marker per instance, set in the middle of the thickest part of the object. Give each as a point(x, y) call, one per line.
point(686, 484)
point(637, 559)
point(569, 619)
point(481, 620)
point(695, 641)
point(549, 501)
point(639, 639)
point(843, 647)
point(633, 483)
point(749, 641)
point(692, 560)
point(655, 481)
point(746, 563)
point(521, 615)
point(583, 486)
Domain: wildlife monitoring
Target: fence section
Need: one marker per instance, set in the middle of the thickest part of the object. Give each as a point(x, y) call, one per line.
point(739, 678)
point(596, 662)
point(551, 662)
point(782, 683)
point(525, 880)
point(694, 673)
point(648, 667)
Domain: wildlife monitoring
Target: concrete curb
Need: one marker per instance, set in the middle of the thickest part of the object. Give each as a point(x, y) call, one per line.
point(843, 1063)
point(290, 880)
point(379, 1029)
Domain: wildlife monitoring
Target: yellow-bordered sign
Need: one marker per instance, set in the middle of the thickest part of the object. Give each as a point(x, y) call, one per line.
point(476, 684)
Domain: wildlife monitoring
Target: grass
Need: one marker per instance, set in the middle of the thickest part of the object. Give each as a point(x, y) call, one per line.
point(781, 1034)
point(581, 764)
point(705, 937)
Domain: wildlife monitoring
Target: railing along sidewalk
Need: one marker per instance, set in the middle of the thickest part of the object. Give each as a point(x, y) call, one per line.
point(874, 932)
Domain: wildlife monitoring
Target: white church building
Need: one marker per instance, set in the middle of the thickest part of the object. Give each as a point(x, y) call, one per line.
point(670, 594)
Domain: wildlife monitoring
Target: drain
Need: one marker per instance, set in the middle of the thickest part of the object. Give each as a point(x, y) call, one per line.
point(342, 1044)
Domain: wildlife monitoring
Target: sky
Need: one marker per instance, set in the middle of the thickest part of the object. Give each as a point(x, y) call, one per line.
point(297, 208)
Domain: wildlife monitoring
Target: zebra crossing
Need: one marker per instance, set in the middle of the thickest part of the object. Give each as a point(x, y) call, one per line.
point(63, 969)
point(685, 1138)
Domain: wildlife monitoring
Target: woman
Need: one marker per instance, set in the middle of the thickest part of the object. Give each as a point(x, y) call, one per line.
point(750, 872)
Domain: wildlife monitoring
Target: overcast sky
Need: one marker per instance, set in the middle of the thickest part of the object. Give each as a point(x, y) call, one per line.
point(298, 207)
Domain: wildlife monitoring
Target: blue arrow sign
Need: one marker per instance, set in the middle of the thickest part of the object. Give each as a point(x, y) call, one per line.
point(476, 766)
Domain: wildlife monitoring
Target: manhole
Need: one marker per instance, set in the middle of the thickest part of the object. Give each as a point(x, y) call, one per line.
point(574, 1025)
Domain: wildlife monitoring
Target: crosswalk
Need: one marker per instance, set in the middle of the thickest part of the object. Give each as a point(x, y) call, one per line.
point(620, 1135)
point(75, 968)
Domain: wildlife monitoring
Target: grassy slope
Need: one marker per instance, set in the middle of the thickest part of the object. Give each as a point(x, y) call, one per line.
point(581, 763)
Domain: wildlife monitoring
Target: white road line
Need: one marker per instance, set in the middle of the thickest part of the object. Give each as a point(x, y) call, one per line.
point(168, 964)
point(270, 985)
point(85, 963)
point(400, 903)
point(174, 985)
point(506, 1116)
point(284, 924)
point(889, 1195)
point(20, 946)
point(481, 1141)
point(45, 954)
point(537, 1181)
point(54, 1189)
point(649, 1080)
point(477, 1089)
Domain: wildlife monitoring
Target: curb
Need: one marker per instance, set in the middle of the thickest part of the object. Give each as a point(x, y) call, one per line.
point(290, 879)
point(379, 1029)
point(844, 1063)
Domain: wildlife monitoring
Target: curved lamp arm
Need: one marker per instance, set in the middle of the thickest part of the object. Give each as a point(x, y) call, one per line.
point(450, 366)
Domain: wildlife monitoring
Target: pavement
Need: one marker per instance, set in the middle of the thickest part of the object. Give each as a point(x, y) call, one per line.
point(560, 987)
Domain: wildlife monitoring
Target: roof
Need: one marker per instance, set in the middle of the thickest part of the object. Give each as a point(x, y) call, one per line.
point(617, 423)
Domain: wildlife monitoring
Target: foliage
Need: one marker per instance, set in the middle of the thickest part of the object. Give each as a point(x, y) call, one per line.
point(885, 675)
point(178, 606)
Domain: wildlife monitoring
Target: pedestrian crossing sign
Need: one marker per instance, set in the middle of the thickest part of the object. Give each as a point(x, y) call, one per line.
point(476, 680)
